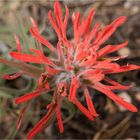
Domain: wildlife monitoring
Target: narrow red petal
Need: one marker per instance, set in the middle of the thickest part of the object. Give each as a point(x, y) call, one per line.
point(52, 71)
point(28, 97)
point(43, 81)
point(25, 57)
point(58, 14)
point(66, 17)
point(90, 72)
point(110, 49)
point(103, 36)
point(11, 77)
point(89, 103)
point(108, 31)
point(93, 32)
point(73, 88)
point(68, 62)
point(92, 75)
point(89, 62)
point(40, 125)
point(80, 55)
point(59, 119)
point(42, 40)
point(35, 27)
point(122, 69)
point(107, 66)
point(101, 33)
point(115, 98)
point(127, 105)
point(53, 22)
point(116, 84)
point(83, 109)
point(21, 116)
point(60, 52)
point(72, 92)
point(67, 43)
point(76, 22)
point(79, 33)
point(89, 21)
point(119, 21)
point(42, 57)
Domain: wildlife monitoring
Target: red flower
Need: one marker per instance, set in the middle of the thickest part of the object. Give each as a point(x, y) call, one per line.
point(80, 63)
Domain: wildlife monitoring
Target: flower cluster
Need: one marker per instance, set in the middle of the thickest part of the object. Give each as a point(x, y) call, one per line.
point(75, 65)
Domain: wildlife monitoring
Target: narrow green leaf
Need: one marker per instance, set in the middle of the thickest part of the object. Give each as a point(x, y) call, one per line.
point(4, 94)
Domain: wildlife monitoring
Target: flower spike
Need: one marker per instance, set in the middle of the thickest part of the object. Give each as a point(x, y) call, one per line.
point(77, 64)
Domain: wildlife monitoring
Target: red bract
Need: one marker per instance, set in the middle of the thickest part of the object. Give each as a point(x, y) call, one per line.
point(77, 64)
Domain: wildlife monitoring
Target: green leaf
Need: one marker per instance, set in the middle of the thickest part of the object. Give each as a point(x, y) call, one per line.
point(70, 108)
point(4, 94)
point(30, 86)
point(30, 70)
point(23, 32)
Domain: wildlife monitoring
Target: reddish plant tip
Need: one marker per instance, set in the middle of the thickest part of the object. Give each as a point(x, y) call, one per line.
point(17, 42)
point(74, 66)
point(12, 77)
point(119, 21)
point(21, 116)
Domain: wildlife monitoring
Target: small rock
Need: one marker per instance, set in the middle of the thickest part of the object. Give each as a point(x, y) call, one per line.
point(112, 2)
point(129, 139)
point(138, 40)
point(127, 4)
point(137, 96)
point(135, 9)
point(124, 51)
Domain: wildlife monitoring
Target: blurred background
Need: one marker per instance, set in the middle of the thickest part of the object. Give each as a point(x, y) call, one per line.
point(114, 121)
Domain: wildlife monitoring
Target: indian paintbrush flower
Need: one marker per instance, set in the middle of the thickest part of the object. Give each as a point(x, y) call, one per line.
point(77, 64)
